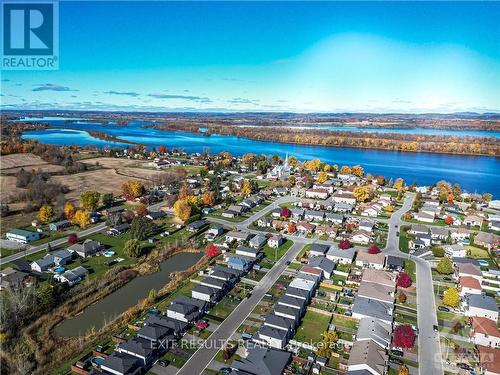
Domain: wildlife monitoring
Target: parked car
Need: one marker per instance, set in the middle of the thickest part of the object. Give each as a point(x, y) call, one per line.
point(446, 278)
point(396, 361)
point(162, 363)
point(397, 352)
point(435, 328)
point(225, 370)
point(288, 262)
point(464, 366)
point(443, 308)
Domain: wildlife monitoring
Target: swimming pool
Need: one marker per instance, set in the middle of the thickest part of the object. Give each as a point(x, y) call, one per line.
point(109, 254)
point(59, 269)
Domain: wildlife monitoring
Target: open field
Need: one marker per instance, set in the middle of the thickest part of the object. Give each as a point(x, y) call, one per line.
point(21, 160)
point(312, 327)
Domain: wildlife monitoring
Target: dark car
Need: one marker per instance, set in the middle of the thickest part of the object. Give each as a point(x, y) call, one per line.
point(443, 308)
point(446, 278)
point(248, 295)
point(397, 352)
point(162, 363)
point(288, 262)
point(435, 328)
point(464, 366)
point(396, 361)
point(225, 370)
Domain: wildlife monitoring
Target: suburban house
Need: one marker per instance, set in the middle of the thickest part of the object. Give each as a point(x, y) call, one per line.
point(314, 215)
point(469, 285)
point(276, 241)
point(305, 227)
point(155, 215)
point(376, 291)
point(57, 258)
point(280, 322)
point(369, 308)
point(341, 256)
point(118, 229)
point(379, 277)
point(22, 236)
point(481, 306)
point(418, 229)
point(318, 250)
point(122, 364)
point(212, 282)
point(73, 276)
point(196, 226)
point(366, 357)
point(489, 363)
point(273, 337)
point(139, 348)
point(347, 198)
point(237, 236)
point(395, 264)
point(375, 330)
point(317, 193)
point(455, 251)
point(241, 263)
point(472, 221)
point(361, 236)
point(325, 229)
point(487, 240)
point(420, 241)
point(59, 225)
point(367, 260)
point(13, 279)
point(205, 293)
point(334, 218)
point(469, 269)
point(293, 302)
point(325, 265)
point(258, 241)
point(485, 332)
point(86, 249)
point(297, 293)
point(186, 309)
point(247, 251)
point(213, 232)
point(262, 361)
point(424, 216)
point(297, 213)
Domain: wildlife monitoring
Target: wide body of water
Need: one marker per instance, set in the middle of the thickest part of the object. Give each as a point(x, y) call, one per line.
point(110, 307)
point(474, 173)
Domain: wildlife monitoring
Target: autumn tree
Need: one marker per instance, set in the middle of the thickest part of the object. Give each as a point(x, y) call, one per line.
point(438, 251)
point(357, 170)
point(404, 280)
point(249, 160)
point(72, 238)
point(344, 244)
point(403, 370)
point(403, 336)
point(69, 210)
point(184, 191)
point(451, 297)
point(399, 184)
point(81, 218)
point(89, 200)
point(132, 189)
point(326, 346)
point(132, 248)
point(445, 267)
point(313, 165)
point(448, 220)
point(285, 212)
point(389, 208)
point(402, 297)
point(322, 177)
point(46, 214)
point(362, 193)
point(141, 210)
point(292, 228)
point(408, 216)
point(373, 249)
point(182, 209)
point(208, 198)
point(246, 188)
point(212, 251)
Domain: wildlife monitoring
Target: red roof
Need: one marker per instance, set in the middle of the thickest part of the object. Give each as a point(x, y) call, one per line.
point(489, 359)
point(485, 326)
point(469, 282)
point(311, 270)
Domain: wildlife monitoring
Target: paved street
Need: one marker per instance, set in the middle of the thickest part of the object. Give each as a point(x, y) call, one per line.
point(34, 249)
point(429, 348)
point(204, 355)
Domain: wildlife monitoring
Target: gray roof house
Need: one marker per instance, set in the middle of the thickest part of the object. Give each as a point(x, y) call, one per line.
point(370, 308)
point(341, 256)
point(258, 241)
point(205, 293)
point(324, 264)
point(175, 325)
point(154, 332)
point(280, 322)
point(212, 282)
point(297, 293)
point(293, 302)
point(87, 248)
point(317, 249)
point(263, 361)
point(139, 348)
point(376, 330)
point(122, 364)
point(287, 312)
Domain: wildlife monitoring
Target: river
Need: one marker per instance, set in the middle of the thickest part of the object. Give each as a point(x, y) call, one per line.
point(110, 307)
point(473, 173)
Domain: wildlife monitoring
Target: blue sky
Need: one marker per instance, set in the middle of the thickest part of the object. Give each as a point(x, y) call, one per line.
point(304, 57)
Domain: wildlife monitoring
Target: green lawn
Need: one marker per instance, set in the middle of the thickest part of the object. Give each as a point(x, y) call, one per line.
point(312, 327)
point(403, 241)
point(344, 322)
point(410, 268)
point(477, 252)
point(276, 254)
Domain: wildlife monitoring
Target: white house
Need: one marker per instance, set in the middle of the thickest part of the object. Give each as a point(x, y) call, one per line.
point(485, 332)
